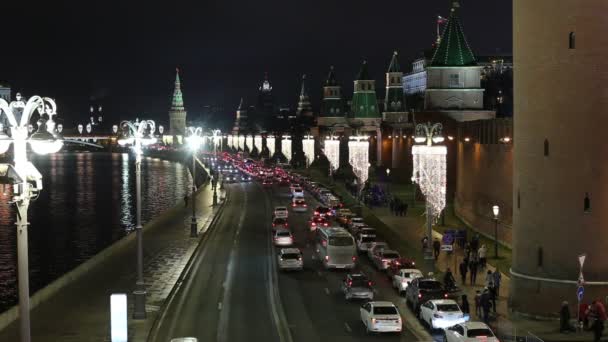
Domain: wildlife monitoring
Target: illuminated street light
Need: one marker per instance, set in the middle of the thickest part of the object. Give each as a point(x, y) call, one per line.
point(45, 140)
point(495, 211)
point(430, 173)
point(136, 135)
point(194, 140)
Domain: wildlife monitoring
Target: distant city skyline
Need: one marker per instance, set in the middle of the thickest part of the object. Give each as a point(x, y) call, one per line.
point(94, 53)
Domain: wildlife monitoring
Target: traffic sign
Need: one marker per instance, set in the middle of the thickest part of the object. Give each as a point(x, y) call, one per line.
point(579, 293)
point(581, 259)
point(581, 280)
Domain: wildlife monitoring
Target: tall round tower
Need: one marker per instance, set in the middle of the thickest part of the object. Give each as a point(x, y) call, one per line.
point(560, 185)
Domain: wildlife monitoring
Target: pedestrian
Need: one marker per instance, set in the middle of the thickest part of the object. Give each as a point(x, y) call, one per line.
point(475, 243)
point(489, 281)
point(483, 251)
point(186, 201)
point(405, 209)
point(425, 243)
point(465, 305)
point(401, 209)
point(478, 303)
point(463, 267)
point(485, 305)
point(448, 280)
point(467, 251)
point(564, 318)
point(436, 248)
point(497, 279)
point(473, 270)
point(600, 317)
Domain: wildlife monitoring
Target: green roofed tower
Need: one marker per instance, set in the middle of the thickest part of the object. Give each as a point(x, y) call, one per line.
point(364, 104)
point(177, 113)
point(393, 100)
point(453, 48)
point(333, 105)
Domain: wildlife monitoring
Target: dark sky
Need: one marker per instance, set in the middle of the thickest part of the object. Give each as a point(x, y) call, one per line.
point(124, 53)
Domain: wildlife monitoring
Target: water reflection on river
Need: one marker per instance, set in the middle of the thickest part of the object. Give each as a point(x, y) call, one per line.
point(88, 202)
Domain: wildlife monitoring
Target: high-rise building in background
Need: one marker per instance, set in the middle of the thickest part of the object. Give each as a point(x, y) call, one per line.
point(304, 106)
point(560, 190)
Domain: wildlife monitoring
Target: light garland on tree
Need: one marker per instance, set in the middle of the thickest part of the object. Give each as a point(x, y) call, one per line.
point(241, 139)
point(257, 141)
point(286, 147)
point(358, 157)
point(430, 175)
point(308, 146)
point(332, 152)
point(229, 141)
point(270, 145)
point(249, 142)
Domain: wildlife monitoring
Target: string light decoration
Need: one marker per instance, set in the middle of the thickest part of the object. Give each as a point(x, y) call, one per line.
point(249, 142)
point(217, 139)
point(308, 146)
point(358, 157)
point(286, 147)
point(229, 141)
point(257, 141)
point(241, 139)
point(430, 167)
point(332, 152)
point(270, 145)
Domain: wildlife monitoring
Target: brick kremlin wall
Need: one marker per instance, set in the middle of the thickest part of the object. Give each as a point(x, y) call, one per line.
point(484, 175)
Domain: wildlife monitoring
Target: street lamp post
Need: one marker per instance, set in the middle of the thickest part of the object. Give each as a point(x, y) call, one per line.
point(430, 174)
point(45, 140)
point(496, 211)
point(194, 140)
point(388, 179)
point(138, 134)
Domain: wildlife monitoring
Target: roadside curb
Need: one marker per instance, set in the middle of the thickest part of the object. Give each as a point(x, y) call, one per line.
point(205, 232)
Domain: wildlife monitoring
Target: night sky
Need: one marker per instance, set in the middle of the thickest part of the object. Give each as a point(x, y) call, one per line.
point(123, 54)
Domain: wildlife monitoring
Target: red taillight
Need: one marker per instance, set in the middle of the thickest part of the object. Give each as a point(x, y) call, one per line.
point(420, 295)
point(370, 283)
point(350, 283)
point(445, 295)
point(293, 205)
point(305, 205)
point(299, 258)
point(273, 224)
point(327, 258)
point(286, 224)
point(313, 224)
point(316, 212)
point(354, 258)
point(326, 224)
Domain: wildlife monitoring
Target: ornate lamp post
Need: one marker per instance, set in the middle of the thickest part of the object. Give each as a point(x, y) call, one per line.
point(194, 140)
point(495, 211)
point(45, 140)
point(430, 174)
point(138, 134)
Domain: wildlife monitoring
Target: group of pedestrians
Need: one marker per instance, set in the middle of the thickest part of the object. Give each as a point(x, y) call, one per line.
point(397, 206)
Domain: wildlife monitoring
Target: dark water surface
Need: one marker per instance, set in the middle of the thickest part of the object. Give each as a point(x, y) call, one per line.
point(87, 203)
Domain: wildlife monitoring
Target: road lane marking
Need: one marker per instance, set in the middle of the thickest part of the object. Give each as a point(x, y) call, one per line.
point(327, 291)
point(348, 329)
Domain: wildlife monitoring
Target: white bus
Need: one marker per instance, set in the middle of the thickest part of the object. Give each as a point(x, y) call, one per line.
point(336, 248)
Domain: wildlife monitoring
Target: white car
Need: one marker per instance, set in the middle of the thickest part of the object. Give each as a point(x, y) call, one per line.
point(364, 241)
point(441, 313)
point(290, 259)
point(470, 332)
point(298, 204)
point(404, 276)
point(282, 237)
point(356, 222)
point(375, 247)
point(383, 257)
point(280, 212)
point(380, 317)
point(297, 192)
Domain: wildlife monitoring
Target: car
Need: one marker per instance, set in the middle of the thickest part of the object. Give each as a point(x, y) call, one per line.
point(376, 246)
point(282, 237)
point(441, 313)
point(267, 182)
point(395, 265)
point(280, 212)
point(298, 204)
point(229, 178)
point(284, 181)
point(297, 192)
point(290, 259)
point(403, 277)
point(356, 285)
point(316, 222)
point(322, 211)
point(365, 230)
point(382, 257)
point(420, 290)
point(380, 317)
point(354, 223)
point(364, 241)
point(279, 223)
point(344, 215)
point(470, 332)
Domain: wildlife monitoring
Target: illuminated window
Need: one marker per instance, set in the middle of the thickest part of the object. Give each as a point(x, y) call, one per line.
point(572, 40)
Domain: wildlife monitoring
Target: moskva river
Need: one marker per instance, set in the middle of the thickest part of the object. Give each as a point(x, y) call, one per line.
point(87, 203)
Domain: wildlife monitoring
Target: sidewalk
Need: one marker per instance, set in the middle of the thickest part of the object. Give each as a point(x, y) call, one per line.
point(81, 310)
point(505, 324)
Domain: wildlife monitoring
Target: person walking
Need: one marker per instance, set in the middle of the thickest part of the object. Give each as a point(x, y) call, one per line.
point(467, 251)
point(405, 209)
point(564, 318)
point(485, 305)
point(475, 243)
point(186, 201)
point(425, 243)
point(490, 286)
point(600, 317)
point(464, 305)
point(436, 248)
point(497, 279)
point(463, 268)
point(478, 303)
point(473, 270)
point(482, 253)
